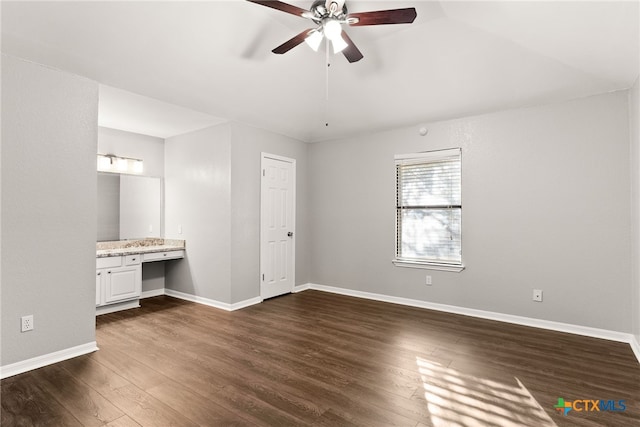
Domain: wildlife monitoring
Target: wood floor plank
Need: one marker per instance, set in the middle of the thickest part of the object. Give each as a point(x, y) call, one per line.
point(199, 370)
point(86, 404)
point(97, 376)
point(331, 419)
point(320, 359)
point(263, 406)
point(204, 359)
point(141, 375)
point(453, 395)
point(409, 407)
point(123, 421)
point(145, 409)
point(26, 403)
point(202, 410)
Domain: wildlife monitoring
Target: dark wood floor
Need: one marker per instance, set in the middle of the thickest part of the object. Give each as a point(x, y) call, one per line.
point(319, 359)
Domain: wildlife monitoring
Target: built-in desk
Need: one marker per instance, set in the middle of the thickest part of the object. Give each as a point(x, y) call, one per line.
point(119, 269)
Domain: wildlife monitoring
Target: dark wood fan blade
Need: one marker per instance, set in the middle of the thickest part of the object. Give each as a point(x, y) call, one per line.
point(292, 42)
point(278, 5)
point(351, 52)
point(380, 17)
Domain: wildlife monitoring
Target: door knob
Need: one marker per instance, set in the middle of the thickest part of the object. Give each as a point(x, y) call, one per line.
point(290, 234)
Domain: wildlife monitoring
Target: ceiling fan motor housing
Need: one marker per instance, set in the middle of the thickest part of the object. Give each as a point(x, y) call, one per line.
point(321, 10)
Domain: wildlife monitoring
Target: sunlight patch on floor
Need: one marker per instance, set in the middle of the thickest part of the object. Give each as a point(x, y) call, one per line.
point(457, 399)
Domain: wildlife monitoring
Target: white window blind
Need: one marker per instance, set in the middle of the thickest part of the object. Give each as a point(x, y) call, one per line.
point(429, 208)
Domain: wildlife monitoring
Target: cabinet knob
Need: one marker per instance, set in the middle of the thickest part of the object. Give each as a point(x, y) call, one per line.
point(99, 273)
point(108, 272)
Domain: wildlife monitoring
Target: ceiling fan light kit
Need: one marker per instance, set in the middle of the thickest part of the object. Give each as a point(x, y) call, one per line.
point(330, 16)
point(314, 39)
point(331, 28)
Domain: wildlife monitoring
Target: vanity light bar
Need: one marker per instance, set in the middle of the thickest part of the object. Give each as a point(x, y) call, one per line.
point(115, 164)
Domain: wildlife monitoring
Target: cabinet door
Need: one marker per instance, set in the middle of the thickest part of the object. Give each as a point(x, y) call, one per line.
point(99, 275)
point(123, 284)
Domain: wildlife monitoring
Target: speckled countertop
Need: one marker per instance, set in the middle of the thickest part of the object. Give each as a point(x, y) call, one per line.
point(139, 246)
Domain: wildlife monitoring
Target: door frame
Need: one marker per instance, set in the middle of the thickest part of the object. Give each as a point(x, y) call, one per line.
point(263, 157)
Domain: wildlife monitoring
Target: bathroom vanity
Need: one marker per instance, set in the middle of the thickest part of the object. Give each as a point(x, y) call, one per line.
point(119, 269)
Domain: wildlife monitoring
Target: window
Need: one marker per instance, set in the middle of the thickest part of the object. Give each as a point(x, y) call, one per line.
point(429, 210)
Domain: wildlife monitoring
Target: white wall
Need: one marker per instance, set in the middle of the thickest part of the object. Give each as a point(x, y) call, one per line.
point(197, 197)
point(634, 116)
point(212, 181)
point(545, 206)
point(49, 138)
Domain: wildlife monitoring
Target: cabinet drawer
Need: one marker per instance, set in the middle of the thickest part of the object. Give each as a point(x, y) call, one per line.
point(161, 256)
point(108, 262)
point(132, 259)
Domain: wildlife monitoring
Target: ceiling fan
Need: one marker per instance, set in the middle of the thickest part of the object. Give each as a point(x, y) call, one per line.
point(329, 16)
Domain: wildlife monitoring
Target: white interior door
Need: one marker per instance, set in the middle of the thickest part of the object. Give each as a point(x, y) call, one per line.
point(277, 230)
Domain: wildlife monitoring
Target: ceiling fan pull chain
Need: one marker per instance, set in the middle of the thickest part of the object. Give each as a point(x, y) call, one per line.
point(326, 107)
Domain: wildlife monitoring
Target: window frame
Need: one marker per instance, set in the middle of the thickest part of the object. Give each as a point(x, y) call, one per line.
point(418, 158)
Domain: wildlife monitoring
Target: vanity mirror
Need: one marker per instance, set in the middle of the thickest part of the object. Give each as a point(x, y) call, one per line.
point(129, 206)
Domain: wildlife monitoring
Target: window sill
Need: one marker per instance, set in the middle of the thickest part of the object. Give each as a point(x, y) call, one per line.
point(428, 266)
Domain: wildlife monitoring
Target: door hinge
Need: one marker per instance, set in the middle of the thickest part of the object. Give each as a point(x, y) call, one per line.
point(263, 277)
point(264, 172)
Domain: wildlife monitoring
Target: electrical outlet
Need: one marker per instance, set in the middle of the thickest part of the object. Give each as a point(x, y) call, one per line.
point(428, 281)
point(537, 295)
point(27, 323)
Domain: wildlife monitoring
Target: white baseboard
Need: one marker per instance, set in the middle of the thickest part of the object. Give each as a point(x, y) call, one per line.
point(245, 303)
point(211, 302)
point(199, 300)
point(635, 346)
point(501, 317)
point(46, 359)
point(301, 288)
point(152, 293)
point(112, 308)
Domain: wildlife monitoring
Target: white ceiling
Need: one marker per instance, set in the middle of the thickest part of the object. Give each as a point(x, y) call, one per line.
point(120, 109)
point(456, 59)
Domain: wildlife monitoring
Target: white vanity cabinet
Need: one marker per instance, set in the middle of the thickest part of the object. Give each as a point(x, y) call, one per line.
point(119, 270)
point(118, 278)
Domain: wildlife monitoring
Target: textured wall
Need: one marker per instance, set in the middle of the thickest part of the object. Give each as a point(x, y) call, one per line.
point(545, 205)
point(634, 116)
point(212, 181)
point(197, 192)
point(49, 138)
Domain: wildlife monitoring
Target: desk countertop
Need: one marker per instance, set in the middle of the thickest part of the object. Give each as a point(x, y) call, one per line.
point(141, 246)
